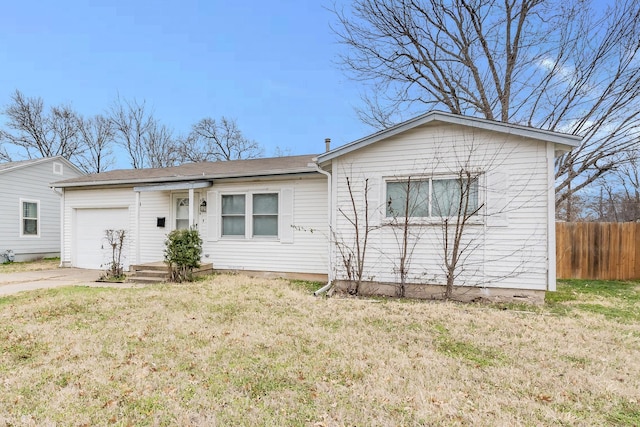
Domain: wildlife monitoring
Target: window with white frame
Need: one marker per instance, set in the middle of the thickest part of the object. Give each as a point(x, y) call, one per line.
point(265, 214)
point(250, 215)
point(233, 215)
point(29, 218)
point(431, 197)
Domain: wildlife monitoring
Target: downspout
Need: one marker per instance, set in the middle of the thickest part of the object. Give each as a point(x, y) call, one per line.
point(329, 284)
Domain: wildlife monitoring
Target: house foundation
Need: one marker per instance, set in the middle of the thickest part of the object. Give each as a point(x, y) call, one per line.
point(436, 292)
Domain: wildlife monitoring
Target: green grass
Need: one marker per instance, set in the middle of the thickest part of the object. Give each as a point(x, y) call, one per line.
point(569, 290)
point(307, 285)
point(625, 414)
point(477, 355)
point(615, 300)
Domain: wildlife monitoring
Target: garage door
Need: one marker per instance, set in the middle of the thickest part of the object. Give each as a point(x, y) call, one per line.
point(91, 247)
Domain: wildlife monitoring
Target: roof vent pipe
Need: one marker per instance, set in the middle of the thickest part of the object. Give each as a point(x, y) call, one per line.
point(327, 144)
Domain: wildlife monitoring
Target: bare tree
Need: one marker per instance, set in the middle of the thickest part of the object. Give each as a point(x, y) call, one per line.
point(97, 135)
point(569, 66)
point(211, 140)
point(4, 154)
point(162, 148)
point(353, 247)
point(405, 201)
point(460, 211)
point(575, 207)
point(38, 133)
point(148, 143)
point(619, 197)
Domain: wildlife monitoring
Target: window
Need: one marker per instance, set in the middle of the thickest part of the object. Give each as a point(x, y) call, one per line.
point(250, 215)
point(265, 215)
point(449, 195)
point(233, 215)
point(434, 197)
point(29, 218)
point(417, 203)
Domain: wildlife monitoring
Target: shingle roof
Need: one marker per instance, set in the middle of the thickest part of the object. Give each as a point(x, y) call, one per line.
point(197, 171)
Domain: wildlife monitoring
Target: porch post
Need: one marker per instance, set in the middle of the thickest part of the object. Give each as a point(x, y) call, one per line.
point(191, 208)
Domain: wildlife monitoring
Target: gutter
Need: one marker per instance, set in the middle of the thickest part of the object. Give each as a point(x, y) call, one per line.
point(330, 278)
point(128, 182)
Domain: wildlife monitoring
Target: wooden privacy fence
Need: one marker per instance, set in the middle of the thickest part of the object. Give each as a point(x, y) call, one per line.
point(598, 250)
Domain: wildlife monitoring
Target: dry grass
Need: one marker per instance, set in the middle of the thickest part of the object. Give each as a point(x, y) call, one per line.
point(237, 351)
point(41, 264)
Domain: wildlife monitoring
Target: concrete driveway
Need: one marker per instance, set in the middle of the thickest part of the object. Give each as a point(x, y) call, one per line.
point(11, 283)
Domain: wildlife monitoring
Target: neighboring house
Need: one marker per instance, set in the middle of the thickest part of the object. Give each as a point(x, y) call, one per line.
point(30, 208)
point(295, 214)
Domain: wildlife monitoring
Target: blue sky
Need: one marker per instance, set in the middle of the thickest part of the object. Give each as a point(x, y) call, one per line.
point(268, 64)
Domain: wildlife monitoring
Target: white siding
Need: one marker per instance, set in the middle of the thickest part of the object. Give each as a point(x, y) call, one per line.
point(31, 182)
point(159, 204)
point(304, 251)
point(154, 205)
point(509, 251)
point(95, 199)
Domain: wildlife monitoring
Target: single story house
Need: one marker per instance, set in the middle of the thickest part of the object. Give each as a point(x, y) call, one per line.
point(399, 189)
point(30, 213)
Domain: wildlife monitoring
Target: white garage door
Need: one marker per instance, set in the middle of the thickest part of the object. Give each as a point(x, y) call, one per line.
point(91, 247)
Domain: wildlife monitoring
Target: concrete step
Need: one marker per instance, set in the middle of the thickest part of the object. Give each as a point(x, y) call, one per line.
point(155, 266)
point(161, 266)
point(151, 273)
point(146, 280)
point(157, 272)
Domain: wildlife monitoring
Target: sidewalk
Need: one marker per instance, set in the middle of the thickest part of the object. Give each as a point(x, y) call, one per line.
point(11, 283)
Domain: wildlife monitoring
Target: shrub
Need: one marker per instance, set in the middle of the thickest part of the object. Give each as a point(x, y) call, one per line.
point(183, 249)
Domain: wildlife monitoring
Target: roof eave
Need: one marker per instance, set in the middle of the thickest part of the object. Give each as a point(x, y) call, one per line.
point(568, 141)
point(194, 178)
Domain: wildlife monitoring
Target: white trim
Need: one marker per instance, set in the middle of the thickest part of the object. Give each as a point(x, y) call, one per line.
point(58, 168)
point(275, 174)
point(173, 186)
point(137, 235)
point(551, 219)
point(191, 208)
point(565, 141)
point(62, 217)
point(38, 218)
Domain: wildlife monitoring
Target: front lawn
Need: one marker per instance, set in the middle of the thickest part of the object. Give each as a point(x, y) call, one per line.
point(231, 350)
point(41, 264)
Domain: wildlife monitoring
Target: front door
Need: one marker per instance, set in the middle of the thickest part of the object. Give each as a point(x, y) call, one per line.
point(181, 211)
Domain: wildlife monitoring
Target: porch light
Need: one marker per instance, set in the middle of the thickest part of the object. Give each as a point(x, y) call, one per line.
point(203, 206)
